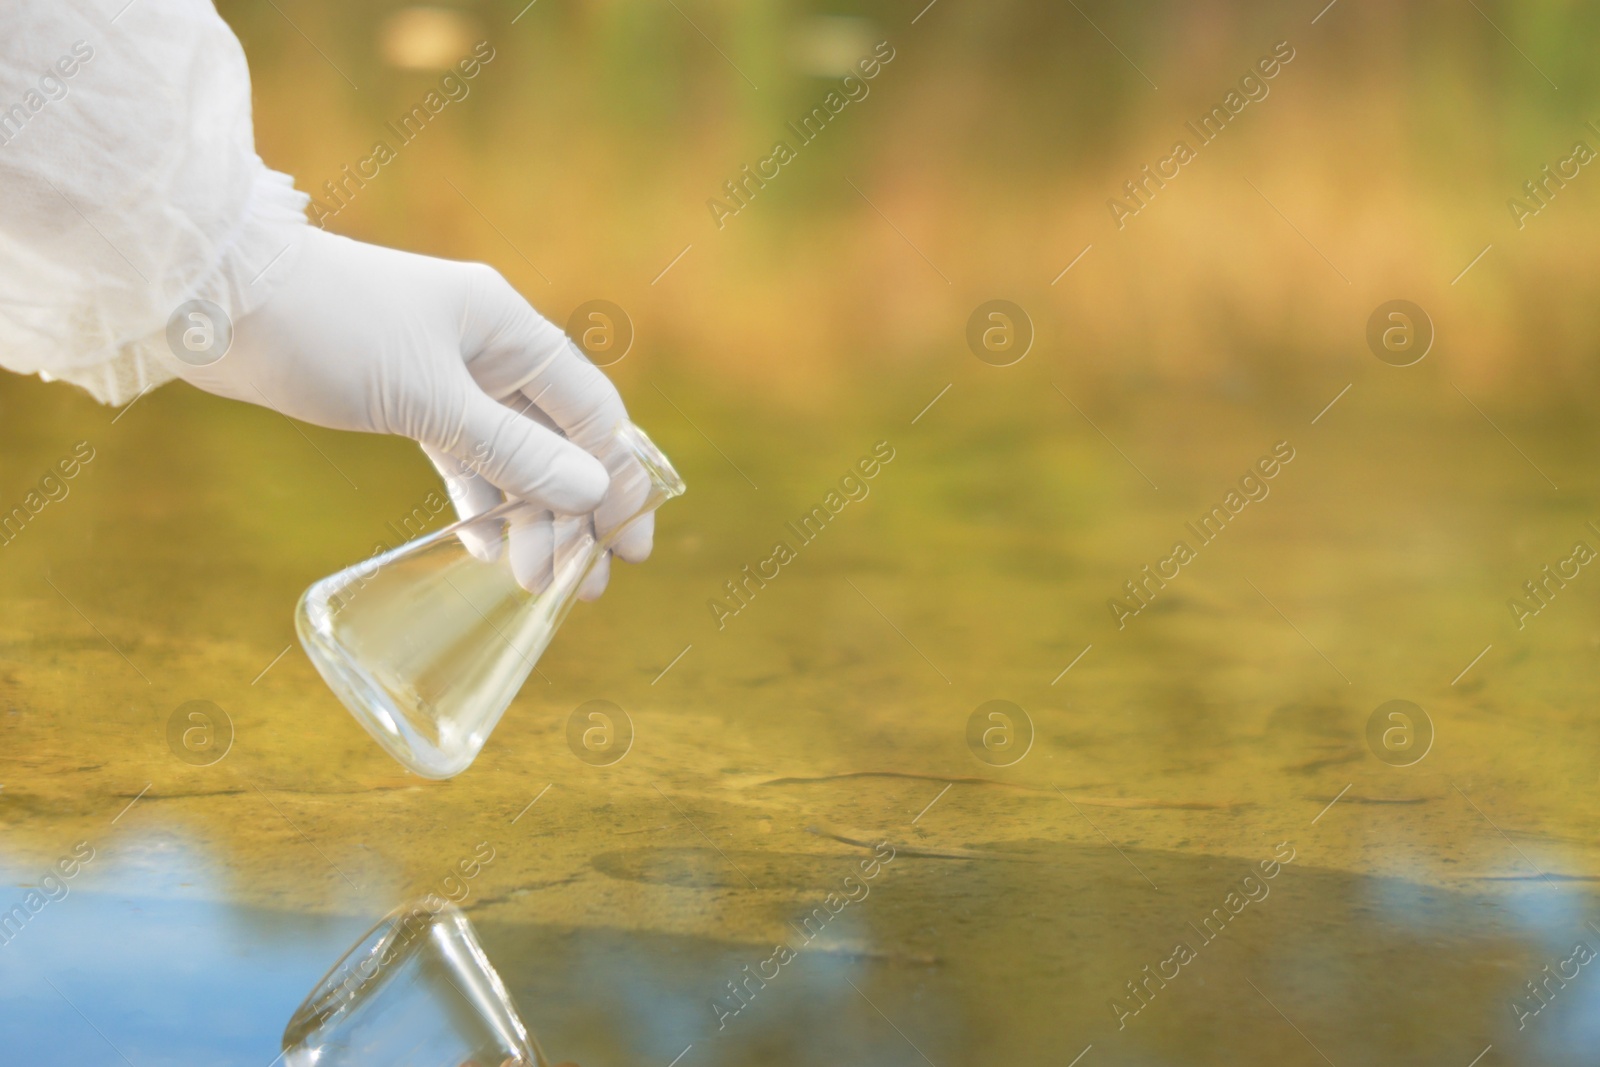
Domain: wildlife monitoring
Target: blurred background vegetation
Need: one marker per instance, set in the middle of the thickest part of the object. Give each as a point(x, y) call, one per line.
point(992, 142)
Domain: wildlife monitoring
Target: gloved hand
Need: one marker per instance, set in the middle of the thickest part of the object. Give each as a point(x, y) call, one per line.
point(360, 337)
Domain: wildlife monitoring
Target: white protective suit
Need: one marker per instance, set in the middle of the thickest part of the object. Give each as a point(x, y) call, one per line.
point(129, 185)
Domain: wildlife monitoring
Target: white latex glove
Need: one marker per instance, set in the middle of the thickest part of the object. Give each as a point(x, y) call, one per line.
point(360, 337)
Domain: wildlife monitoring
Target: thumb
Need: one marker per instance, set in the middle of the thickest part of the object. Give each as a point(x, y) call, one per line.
point(522, 458)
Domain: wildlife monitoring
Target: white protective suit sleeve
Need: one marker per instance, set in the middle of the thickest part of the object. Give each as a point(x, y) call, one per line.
point(129, 183)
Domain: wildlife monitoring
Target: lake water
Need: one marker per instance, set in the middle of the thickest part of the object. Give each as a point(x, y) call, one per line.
point(1220, 735)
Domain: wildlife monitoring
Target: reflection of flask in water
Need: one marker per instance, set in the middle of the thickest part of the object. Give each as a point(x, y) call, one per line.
point(428, 644)
point(417, 988)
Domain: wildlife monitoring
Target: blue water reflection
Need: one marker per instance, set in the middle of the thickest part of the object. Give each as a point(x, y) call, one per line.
point(144, 958)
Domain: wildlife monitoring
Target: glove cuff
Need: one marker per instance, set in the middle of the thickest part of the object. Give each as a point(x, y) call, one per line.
point(262, 250)
point(250, 262)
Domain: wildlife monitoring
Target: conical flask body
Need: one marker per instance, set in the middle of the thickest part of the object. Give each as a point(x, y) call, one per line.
point(428, 644)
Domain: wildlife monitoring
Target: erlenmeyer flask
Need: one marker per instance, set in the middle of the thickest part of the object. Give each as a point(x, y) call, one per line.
point(416, 989)
point(427, 644)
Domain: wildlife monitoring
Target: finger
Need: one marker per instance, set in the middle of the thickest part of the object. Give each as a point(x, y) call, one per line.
point(630, 487)
point(595, 583)
point(577, 397)
point(470, 492)
point(515, 353)
point(524, 459)
point(533, 553)
point(524, 405)
point(574, 549)
point(634, 545)
point(471, 495)
point(508, 346)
